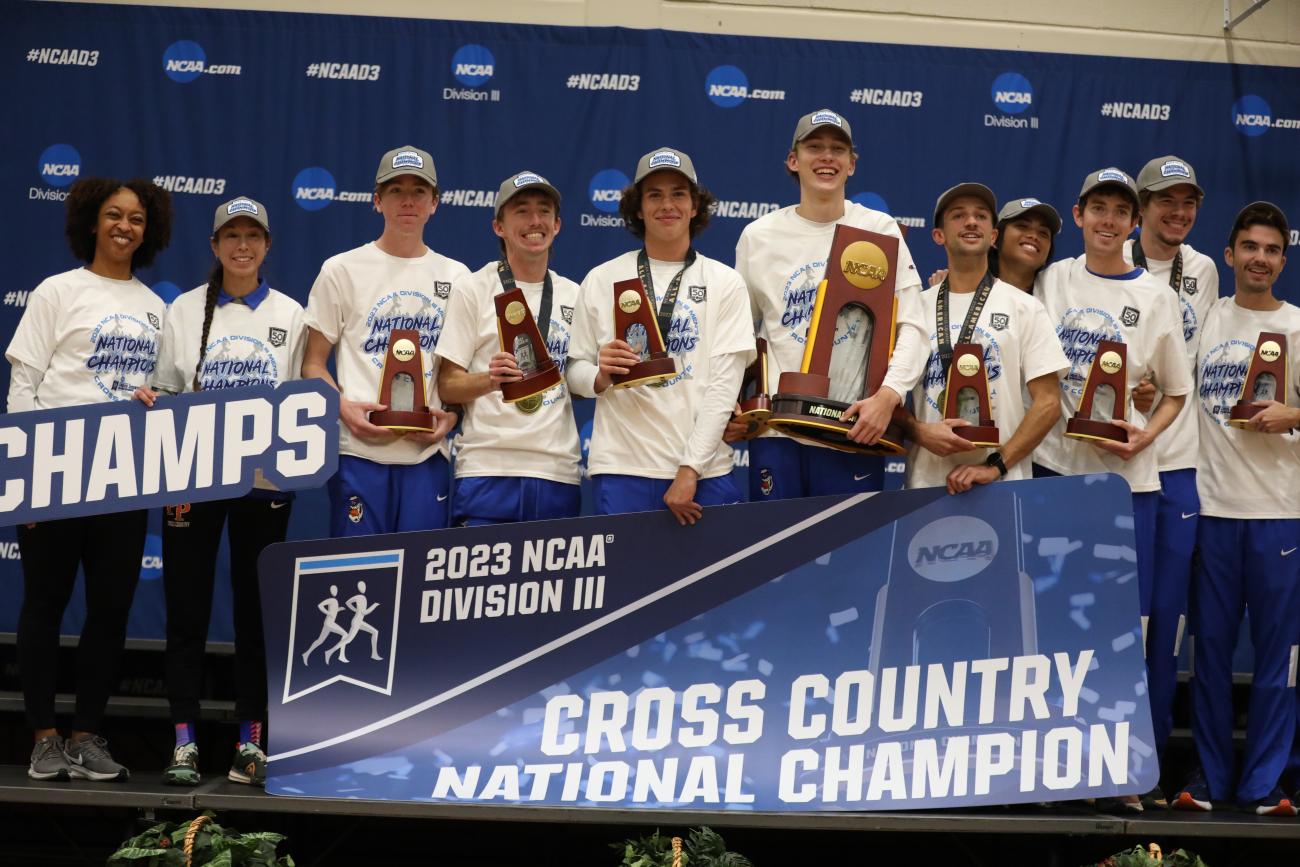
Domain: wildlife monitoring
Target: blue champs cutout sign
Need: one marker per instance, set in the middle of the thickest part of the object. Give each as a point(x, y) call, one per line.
point(112, 457)
point(887, 651)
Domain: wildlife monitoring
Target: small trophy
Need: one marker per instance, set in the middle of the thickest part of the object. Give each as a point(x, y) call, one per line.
point(1108, 369)
point(520, 337)
point(967, 396)
point(636, 325)
point(1268, 369)
point(850, 339)
point(401, 385)
point(755, 401)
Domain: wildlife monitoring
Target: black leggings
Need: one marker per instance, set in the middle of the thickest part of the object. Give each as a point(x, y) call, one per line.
point(108, 548)
point(191, 535)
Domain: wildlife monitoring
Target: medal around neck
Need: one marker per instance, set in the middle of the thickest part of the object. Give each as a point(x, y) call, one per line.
point(967, 396)
point(850, 339)
point(401, 385)
point(521, 337)
point(754, 399)
point(635, 324)
point(1109, 369)
point(1264, 378)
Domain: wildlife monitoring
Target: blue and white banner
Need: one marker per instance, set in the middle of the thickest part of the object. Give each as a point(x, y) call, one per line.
point(898, 650)
point(208, 445)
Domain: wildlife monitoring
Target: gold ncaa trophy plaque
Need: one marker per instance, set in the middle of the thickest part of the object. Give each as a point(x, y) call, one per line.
point(968, 389)
point(635, 324)
point(850, 339)
point(1109, 368)
point(1265, 378)
point(521, 337)
point(401, 385)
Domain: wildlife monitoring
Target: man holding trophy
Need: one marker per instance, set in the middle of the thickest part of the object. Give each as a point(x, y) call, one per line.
point(503, 351)
point(661, 337)
point(783, 257)
point(379, 309)
point(989, 342)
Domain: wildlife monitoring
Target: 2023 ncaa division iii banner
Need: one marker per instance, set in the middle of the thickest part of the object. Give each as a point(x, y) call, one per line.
point(888, 651)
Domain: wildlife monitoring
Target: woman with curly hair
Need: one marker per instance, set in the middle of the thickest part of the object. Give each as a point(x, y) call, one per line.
point(87, 335)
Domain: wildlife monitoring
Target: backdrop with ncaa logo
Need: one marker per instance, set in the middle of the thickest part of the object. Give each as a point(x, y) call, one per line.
point(295, 109)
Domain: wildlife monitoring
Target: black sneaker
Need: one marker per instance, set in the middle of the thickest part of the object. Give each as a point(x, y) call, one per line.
point(248, 766)
point(1124, 805)
point(1155, 798)
point(1275, 804)
point(89, 759)
point(184, 769)
point(48, 761)
point(1195, 796)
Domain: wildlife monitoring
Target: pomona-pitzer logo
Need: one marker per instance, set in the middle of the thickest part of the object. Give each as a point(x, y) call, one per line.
point(604, 192)
point(344, 604)
point(953, 548)
point(313, 188)
point(728, 87)
point(185, 60)
point(1013, 95)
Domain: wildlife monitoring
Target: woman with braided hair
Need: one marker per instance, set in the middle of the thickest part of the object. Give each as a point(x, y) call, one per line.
point(234, 331)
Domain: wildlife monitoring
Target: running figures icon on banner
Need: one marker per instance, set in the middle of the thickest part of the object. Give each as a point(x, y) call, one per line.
point(330, 608)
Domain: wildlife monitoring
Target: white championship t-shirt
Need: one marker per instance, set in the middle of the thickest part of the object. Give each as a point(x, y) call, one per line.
point(94, 338)
point(1135, 310)
point(1244, 473)
point(1019, 345)
point(499, 438)
point(358, 299)
point(646, 430)
point(1198, 290)
point(782, 258)
point(246, 345)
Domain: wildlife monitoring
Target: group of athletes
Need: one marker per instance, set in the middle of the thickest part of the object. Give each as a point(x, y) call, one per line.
point(1231, 493)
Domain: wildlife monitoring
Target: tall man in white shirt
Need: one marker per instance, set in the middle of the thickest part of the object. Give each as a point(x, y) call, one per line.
point(1100, 296)
point(1249, 531)
point(1020, 352)
point(782, 258)
point(515, 461)
point(386, 482)
point(1170, 200)
point(657, 445)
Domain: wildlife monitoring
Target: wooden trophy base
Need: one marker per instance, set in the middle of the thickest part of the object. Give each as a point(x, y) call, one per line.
point(1241, 414)
point(755, 413)
point(650, 370)
point(397, 420)
point(817, 419)
point(1091, 429)
point(980, 434)
point(546, 378)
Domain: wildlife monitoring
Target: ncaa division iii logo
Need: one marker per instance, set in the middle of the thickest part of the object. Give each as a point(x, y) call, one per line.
point(343, 627)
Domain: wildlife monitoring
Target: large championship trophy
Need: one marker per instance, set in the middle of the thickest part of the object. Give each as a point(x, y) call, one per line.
point(1109, 368)
point(754, 400)
point(521, 337)
point(850, 339)
point(401, 385)
point(1266, 378)
point(636, 325)
point(967, 396)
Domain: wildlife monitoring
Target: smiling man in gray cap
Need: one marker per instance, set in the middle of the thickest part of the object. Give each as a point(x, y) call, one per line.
point(386, 481)
point(516, 461)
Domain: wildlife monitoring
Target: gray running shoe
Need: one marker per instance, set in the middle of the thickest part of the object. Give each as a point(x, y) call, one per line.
point(48, 761)
point(89, 759)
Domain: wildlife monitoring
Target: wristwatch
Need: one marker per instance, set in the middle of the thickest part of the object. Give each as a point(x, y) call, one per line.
point(995, 460)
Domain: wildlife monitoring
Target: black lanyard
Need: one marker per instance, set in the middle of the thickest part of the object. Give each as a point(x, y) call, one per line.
point(967, 328)
point(1175, 274)
point(665, 316)
point(548, 291)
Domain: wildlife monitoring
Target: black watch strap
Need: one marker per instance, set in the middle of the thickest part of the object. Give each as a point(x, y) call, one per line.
point(995, 460)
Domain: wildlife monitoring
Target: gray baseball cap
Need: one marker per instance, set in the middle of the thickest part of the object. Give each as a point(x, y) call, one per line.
point(815, 120)
point(1110, 177)
point(408, 160)
point(1165, 172)
point(518, 183)
point(1017, 207)
point(968, 188)
point(241, 206)
point(666, 158)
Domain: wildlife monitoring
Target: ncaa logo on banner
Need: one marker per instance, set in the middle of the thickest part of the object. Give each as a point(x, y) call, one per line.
point(183, 61)
point(1012, 93)
point(472, 65)
point(606, 189)
point(726, 86)
point(1252, 115)
point(343, 626)
point(313, 188)
point(59, 165)
point(871, 200)
point(953, 548)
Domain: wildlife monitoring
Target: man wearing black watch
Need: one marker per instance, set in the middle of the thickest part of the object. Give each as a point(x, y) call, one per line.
point(1021, 353)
